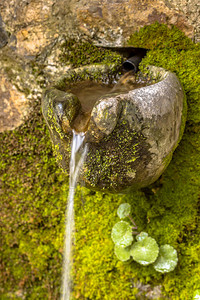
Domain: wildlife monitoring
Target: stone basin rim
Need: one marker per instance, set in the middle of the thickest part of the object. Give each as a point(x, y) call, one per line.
point(95, 71)
point(132, 138)
point(106, 74)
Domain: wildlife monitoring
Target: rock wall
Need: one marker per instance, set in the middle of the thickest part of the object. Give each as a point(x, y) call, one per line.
point(33, 189)
point(32, 25)
point(191, 10)
point(34, 30)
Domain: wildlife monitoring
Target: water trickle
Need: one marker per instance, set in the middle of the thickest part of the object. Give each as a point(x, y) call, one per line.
point(78, 153)
point(89, 92)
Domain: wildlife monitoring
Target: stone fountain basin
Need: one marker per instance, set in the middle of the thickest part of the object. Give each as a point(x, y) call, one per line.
point(131, 135)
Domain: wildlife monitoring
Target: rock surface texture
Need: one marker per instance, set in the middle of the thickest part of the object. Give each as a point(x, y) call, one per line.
point(35, 24)
point(13, 105)
point(34, 32)
point(33, 188)
point(131, 136)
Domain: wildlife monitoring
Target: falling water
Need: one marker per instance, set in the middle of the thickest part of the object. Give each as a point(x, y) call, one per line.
point(78, 153)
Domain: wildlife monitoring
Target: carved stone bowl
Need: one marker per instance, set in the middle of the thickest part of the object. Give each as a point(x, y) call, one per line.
point(131, 134)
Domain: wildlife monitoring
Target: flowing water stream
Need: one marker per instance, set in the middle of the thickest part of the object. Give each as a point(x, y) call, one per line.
point(88, 93)
point(78, 153)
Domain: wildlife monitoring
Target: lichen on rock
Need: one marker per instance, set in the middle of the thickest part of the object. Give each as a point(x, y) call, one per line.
point(131, 134)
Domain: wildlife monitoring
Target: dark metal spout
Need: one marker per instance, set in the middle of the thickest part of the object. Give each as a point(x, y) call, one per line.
point(132, 63)
point(134, 56)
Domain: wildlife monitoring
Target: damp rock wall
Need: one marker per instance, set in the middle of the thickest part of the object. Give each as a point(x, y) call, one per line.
point(34, 190)
point(34, 32)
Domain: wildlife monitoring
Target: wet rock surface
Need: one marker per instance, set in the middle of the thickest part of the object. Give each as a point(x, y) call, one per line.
point(35, 32)
point(35, 25)
point(3, 34)
point(131, 135)
point(13, 105)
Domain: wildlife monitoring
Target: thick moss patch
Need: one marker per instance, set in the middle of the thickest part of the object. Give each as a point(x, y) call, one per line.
point(85, 53)
point(32, 213)
point(161, 36)
point(34, 195)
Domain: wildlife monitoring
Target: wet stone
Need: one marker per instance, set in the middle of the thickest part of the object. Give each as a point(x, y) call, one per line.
point(88, 93)
point(132, 127)
point(3, 34)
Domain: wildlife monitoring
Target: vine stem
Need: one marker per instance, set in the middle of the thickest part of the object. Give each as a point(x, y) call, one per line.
point(131, 219)
point(135, 226)
point(135, 232)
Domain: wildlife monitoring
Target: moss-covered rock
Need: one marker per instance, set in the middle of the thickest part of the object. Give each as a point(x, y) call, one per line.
point(86, 54)
point(131, 134)
point(33, 199)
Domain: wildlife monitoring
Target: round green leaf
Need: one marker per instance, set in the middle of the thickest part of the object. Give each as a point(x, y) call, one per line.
point(122, 234)
point(145, 251)
point(141, 236)
point(124, 210)
point(122, 253)
point(196, 295)
point(167, 259)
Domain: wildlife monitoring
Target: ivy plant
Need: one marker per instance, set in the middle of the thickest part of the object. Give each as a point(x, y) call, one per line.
point(142, 248)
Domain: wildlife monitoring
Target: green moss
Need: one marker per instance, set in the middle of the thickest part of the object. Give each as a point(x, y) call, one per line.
point(31, 214)
point(86, 53)
point(160, 36)
point(103, 72)
point(104, 161)
point(34, 195)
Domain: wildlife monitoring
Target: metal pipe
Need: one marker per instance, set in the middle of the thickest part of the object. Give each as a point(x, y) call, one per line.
point(132, 63)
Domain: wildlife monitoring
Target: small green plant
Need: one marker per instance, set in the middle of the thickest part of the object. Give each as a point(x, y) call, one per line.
point(142, 248)
point(196, 295)
point(122, 234)
point(145, 250)
point(167, 259)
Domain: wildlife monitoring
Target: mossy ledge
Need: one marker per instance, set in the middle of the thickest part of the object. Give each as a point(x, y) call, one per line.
point(105, 73)
point(34, 195)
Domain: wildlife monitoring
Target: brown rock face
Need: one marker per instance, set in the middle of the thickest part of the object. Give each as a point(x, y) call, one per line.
point(111, 22)
point(35, 24)
point(13, 105)
point(32, 32)
point(191, 10)
point(3, 34)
